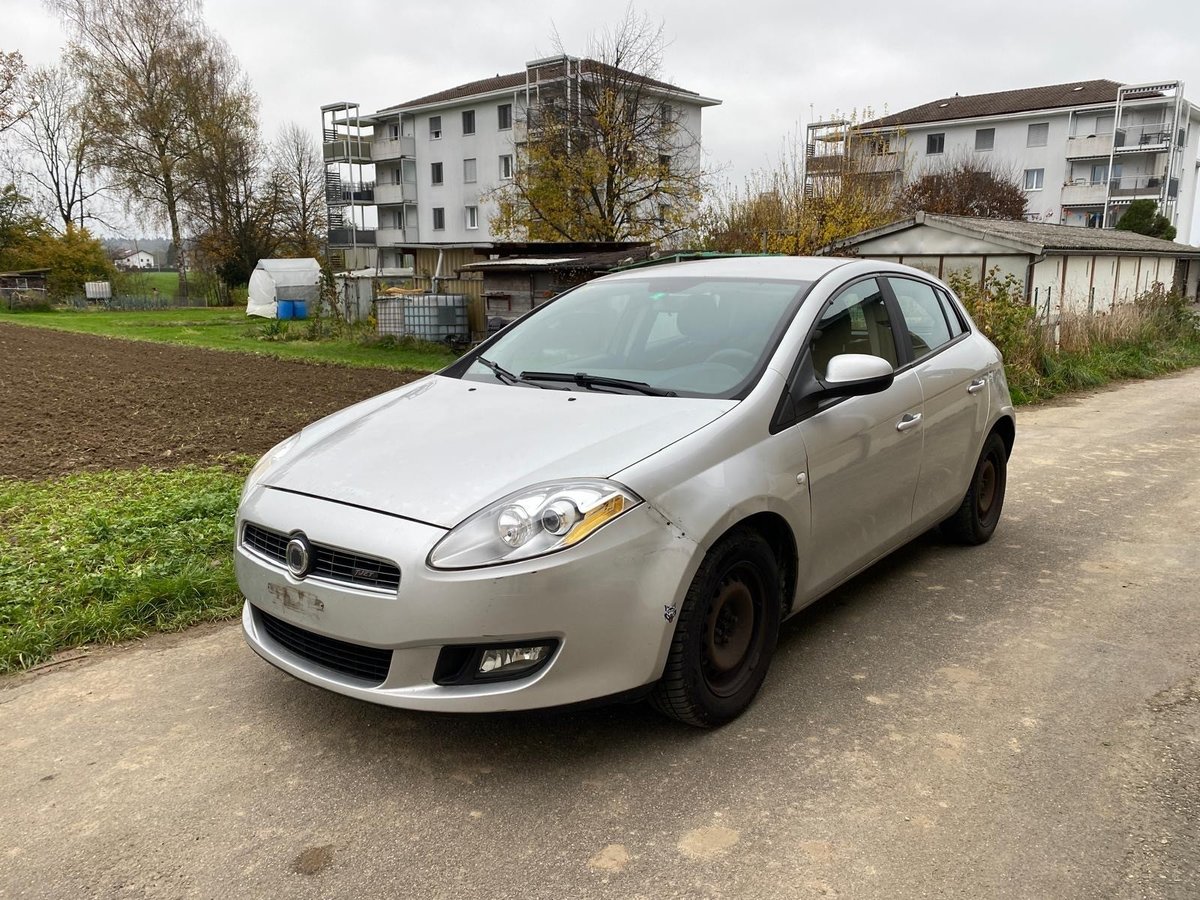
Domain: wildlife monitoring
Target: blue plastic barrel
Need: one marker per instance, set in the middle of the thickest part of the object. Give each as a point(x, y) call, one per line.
point(300, 309)
point(285, 309)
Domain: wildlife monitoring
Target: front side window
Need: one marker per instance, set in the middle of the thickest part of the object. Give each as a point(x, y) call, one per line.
point(985, 138)
point(469, 170)
point(435, 128)
point(935, 143)
point(439, 218)
point(1039, 134)
point(855, 321)
point(504, 116)
point(468, 121)
point(923, 315)
point(1034, 178)
point(691, 336)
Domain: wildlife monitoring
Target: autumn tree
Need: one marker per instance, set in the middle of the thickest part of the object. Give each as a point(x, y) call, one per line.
point(233, 203)
point(298, 170)
point(1143, 217)
point(13, 104)
point(609, 154)
point(141, 62)
point(966, 186)
point(56, 138)
point(20, 224)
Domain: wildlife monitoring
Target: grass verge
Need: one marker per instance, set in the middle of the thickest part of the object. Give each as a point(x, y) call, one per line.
point(225, 328)
point(103, 557)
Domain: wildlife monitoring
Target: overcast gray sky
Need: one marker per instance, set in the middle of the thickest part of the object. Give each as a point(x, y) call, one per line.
point(773, 63)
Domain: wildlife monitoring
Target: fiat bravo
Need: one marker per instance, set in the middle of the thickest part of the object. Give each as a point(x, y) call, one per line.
point(625, 492)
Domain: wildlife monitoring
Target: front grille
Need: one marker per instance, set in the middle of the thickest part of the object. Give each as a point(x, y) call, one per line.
point(366, 663)
point(328, 563)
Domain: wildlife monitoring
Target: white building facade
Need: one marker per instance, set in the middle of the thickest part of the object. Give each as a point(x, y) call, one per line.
point(437, 159)
point(1082, 151)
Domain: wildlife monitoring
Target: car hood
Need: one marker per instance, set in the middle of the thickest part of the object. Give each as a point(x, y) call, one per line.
point(442, 448)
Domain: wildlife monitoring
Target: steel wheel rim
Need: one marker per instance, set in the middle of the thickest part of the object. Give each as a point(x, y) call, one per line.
point(733, 630)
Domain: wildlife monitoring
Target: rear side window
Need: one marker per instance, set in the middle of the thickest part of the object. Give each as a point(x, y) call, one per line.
point(924, 315)
point(957, 326)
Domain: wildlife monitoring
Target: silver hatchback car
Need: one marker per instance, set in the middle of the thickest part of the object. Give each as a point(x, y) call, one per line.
point(626, 491)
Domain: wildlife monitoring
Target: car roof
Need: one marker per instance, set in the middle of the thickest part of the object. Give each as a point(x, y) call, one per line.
point(798, 268)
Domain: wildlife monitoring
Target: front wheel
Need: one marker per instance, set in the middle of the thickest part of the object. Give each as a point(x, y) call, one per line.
point(977, 515)
point(725, 635)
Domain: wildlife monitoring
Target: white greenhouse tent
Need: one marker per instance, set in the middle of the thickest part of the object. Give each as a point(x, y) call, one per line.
point(282, 279)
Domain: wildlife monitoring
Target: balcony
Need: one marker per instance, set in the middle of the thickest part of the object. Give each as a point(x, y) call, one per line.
point(1137, 186)
point(394, 148)
point(1154, 138)
point(343, 148)
point(1084, 193)
point(386, 194)
point(855, 164)
point(1092, 146)
point(351, 237)
point(396, 237)
point(354, 192)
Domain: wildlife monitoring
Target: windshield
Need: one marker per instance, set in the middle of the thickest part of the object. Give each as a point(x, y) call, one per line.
point(682, 336)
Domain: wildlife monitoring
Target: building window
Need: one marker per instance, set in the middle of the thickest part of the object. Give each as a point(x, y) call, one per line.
point(935, 143)
point(506, 167)
point(439, 218)
point(1034, 178)
point(665, 114)
point(504, 116)
point(1039, 134)
point(394, 131)
point(435, 128)
point(468, 121)
point(469, 170)
point(397, 175)
point(472, 217)
point(435, 172)
point(985, 138)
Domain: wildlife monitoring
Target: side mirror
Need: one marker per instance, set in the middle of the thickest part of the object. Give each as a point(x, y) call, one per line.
point(855, 374)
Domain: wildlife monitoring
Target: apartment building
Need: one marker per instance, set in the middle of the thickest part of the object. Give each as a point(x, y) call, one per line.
point(1082, 151)
point(412, 181)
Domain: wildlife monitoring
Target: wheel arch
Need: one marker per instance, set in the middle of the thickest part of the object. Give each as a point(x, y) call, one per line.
point(1007, 429)
point(775, 530)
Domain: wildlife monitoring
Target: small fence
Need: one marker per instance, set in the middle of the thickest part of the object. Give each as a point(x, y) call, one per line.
point(136, 302)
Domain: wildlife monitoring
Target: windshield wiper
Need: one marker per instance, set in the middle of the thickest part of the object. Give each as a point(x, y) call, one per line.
point(504, 375)
point(583, 379)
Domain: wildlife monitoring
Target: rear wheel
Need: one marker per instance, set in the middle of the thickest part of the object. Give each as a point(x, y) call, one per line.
point(976, 517)
point(726, 634)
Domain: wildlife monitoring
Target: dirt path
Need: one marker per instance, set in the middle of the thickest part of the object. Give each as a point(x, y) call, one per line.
point(74, 402)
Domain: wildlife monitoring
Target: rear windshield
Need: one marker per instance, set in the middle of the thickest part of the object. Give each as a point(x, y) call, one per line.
point(709, 338)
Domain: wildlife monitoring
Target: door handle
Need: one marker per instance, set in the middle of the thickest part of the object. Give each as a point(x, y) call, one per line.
point(976, 386)
point(910, 420)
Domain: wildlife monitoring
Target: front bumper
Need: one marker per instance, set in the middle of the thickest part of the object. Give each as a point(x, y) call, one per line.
point(603, 601)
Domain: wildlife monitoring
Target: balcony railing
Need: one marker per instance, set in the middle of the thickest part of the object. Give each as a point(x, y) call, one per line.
point(404, 192)
point(1084, 192)
point(347, 149)
point(1090, 146)
point(855, 163)
point(1143, 138)
point(395, 237)
point(351, 237)
point(394, 148)
point(354, 192)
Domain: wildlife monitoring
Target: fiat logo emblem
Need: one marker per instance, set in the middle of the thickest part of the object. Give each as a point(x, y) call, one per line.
point(298, 556)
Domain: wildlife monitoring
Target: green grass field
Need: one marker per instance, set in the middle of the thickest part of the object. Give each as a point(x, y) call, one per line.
point(228, 328)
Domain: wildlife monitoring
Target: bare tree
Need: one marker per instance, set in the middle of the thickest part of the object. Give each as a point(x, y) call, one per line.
point(963, 185)
point(55, 134)
point(13, 105)
point(299, 172)
point(141, 60)
point(609, 155)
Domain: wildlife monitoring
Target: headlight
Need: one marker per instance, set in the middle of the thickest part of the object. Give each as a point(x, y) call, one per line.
point(533, 522)
point(267, 462)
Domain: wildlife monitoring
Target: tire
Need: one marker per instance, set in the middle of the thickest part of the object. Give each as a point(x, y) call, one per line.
point(976, 517)
point(725, 634)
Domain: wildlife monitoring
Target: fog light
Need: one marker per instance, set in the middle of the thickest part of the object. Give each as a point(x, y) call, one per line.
point(507, 660)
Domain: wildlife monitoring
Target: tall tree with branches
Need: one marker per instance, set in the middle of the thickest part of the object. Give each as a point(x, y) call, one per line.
point(298, 171)
point(610, 154)
point(57, 137)
point(142, 61)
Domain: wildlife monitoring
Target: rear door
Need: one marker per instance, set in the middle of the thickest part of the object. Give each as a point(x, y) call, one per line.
point(948, 366)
